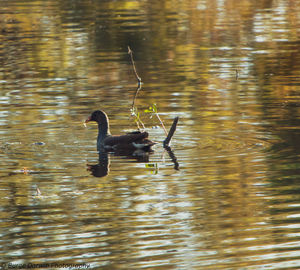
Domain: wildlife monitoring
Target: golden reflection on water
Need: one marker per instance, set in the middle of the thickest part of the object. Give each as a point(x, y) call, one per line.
point(228, 69)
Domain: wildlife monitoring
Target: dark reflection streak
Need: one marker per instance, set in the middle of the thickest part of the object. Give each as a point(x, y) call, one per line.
point(102, 168)
point(283, 154)
point(18, 219)
point(166, 143)
point(173, 157)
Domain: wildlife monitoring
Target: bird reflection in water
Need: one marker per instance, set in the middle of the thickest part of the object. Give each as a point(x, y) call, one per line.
point(101, 169)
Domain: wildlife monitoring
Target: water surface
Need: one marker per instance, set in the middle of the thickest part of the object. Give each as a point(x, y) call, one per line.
point(228, 69)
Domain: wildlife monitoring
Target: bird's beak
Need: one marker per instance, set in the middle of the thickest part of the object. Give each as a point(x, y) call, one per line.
point(86, 121)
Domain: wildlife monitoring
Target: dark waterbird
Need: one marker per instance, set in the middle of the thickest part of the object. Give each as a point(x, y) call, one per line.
point(131, 141)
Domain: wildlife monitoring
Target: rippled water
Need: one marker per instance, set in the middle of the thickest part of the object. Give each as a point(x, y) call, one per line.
point(226, 197)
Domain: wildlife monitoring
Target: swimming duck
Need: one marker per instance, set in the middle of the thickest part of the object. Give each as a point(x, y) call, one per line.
point(131, 141)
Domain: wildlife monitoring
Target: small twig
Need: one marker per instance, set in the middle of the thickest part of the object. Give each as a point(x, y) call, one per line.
point(162, 124)
point(171, 132)
point(139, 87)
point(135, 96)
point(133, 64)
point(139, 80)
point(136, 114)
point(38, 192)
point(153, 109)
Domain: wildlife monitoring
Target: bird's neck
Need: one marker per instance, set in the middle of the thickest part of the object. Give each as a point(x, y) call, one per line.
point(103, 131)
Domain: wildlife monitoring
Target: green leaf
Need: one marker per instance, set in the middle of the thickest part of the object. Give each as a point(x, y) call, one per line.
point(154, 107)
point(150, 165)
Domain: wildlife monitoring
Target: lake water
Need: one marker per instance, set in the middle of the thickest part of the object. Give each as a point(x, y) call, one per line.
point(226, 197)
